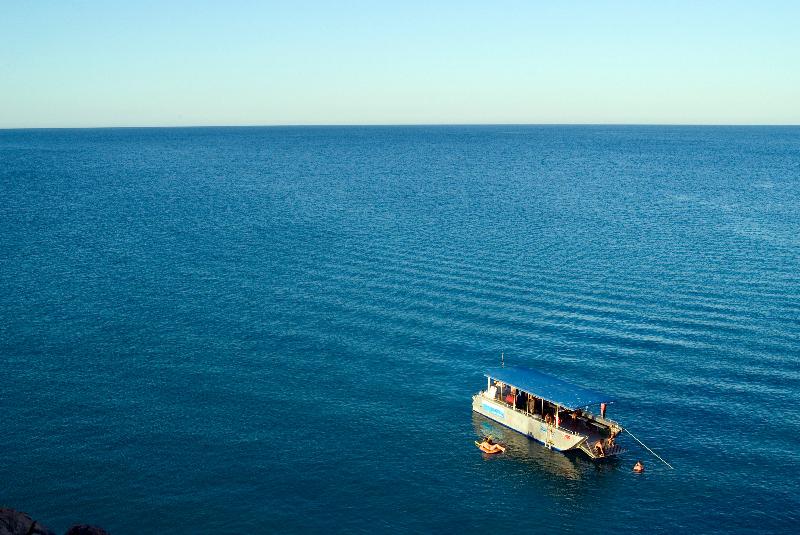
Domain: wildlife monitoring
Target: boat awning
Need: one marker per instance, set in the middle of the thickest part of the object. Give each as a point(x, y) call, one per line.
point(548, 387)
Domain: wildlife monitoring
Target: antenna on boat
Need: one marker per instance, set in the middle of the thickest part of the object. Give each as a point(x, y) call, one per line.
point(503, 359)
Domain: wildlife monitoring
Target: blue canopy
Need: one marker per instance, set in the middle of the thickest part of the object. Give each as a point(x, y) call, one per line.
point(548, 387)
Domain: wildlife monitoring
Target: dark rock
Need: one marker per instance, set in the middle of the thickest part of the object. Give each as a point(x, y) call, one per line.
point(16, 523)
point(83, 529)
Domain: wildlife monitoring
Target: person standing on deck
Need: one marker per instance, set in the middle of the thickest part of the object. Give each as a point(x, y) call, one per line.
point(511, 396)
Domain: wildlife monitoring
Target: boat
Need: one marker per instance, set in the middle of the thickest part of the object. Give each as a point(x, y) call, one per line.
point(550, 410)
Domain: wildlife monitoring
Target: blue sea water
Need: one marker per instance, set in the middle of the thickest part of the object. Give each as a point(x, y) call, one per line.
point(280, 329)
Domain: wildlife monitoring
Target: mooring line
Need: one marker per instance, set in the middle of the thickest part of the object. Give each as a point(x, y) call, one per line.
point(648, 449)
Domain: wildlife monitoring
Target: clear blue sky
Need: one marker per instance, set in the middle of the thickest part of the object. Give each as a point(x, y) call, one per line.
point(109, 63)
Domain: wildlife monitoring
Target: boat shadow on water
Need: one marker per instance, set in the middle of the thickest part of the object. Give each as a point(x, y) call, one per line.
point(519, 448)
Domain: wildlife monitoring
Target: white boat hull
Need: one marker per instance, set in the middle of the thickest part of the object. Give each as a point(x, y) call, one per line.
point(529, 425)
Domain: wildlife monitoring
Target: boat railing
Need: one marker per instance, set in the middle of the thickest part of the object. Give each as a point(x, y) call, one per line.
point(536, 417)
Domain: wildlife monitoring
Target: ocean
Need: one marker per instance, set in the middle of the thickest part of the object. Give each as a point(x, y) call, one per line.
point(279, 329)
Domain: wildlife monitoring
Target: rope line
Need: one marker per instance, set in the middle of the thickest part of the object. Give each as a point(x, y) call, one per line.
point(648, 449)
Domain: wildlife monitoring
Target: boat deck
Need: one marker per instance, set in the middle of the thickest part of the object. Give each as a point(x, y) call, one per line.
point(593, 434)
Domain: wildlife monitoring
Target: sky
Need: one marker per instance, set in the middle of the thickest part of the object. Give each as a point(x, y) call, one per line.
point(169, 63)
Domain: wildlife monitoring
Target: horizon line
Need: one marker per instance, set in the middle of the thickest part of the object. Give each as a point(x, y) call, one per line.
point(385, 125)
point(388, 125)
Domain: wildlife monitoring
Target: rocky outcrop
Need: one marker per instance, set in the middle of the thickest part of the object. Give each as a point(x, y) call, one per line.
point(83, 529)
point(16, 523)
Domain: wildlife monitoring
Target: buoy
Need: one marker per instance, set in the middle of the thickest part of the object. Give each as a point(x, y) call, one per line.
point(638, 467)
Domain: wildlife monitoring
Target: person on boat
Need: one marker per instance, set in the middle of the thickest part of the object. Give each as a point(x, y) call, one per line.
point(598, 448)
point(548, 418)
point(638, 467)
point(577, 418)
point(610, 442)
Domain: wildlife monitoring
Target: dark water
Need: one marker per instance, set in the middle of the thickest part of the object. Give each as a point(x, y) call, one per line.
point(280, 328)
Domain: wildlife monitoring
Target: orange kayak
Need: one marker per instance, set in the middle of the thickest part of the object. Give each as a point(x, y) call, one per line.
point(485, 447)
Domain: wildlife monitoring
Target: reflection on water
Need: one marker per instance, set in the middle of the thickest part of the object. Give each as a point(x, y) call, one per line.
point(521, 449)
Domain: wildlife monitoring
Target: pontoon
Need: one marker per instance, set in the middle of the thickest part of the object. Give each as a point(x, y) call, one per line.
point(549, 410)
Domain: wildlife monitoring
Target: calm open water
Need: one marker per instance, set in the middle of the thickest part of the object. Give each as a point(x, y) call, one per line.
point(280, 329)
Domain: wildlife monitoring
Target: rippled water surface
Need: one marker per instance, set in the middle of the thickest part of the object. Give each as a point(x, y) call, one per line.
point(281, 328)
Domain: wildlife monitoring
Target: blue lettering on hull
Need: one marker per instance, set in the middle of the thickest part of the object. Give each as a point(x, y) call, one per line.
point(493, 410)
